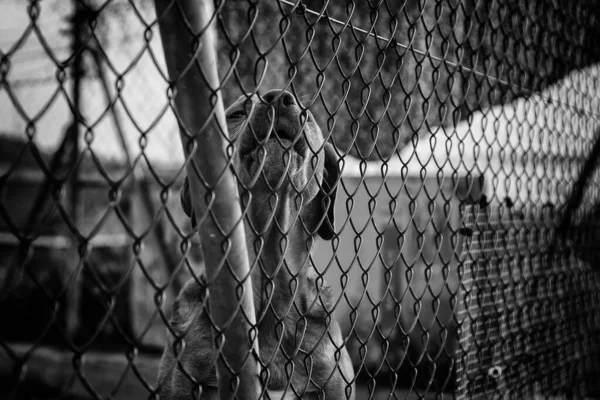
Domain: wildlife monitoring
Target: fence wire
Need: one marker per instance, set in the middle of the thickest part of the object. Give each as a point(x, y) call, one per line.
point(530, 308)
point(418, 184)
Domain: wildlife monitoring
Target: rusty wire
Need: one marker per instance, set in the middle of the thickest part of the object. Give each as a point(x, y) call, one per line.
point(462, 262)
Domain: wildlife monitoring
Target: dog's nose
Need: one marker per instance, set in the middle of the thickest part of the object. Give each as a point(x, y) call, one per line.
point(287, 123)
point(280, 98)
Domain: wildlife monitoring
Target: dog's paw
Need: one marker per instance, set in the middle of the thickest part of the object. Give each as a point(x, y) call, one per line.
point(317, 296)
point(189, 305)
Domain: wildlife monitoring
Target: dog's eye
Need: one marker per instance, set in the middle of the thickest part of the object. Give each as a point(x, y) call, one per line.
point(237, 114)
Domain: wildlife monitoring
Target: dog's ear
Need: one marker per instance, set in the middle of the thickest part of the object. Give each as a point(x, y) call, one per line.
point(186, 201)
point(327, 193)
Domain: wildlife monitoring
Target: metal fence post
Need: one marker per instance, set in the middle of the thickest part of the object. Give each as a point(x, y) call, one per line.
point(188, 37)
point(76, 260)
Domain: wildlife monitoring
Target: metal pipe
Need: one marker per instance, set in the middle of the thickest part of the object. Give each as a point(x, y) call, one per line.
point(73, 308)
point(188, 38)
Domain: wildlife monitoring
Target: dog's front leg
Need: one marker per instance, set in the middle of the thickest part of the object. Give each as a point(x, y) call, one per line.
point(337, 367)
point(187, 367)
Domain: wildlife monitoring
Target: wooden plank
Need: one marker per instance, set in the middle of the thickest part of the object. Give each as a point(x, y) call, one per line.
point(62, 242)
point(87, 177)
point(52, 371)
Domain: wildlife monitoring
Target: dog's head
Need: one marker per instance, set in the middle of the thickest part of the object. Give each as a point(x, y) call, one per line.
point(279, 149)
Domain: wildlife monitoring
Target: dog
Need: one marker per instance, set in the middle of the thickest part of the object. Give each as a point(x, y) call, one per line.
point(283, 161)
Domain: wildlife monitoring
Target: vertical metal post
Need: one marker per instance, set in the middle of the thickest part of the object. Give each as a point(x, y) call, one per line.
point(188, 37)
point(75, 206)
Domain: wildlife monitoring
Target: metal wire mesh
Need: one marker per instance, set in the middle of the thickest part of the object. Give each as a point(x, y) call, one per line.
point(530, 309)
point(441, 245)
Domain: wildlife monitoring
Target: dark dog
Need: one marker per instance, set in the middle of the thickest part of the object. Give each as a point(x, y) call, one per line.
point(291, 173)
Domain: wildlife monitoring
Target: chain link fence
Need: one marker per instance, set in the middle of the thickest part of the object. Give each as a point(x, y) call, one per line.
point(439, 240)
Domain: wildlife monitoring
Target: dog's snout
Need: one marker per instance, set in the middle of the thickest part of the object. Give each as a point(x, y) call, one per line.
point(280, 98)
point(286, 112)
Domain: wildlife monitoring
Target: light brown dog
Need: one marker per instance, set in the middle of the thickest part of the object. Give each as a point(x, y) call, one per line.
point(291, 173)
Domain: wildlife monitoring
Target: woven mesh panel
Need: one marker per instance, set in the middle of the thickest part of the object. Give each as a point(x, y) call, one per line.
point(530, 319)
